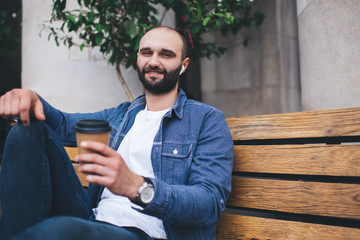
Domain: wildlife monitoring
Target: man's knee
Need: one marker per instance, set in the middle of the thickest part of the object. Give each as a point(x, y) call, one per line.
point(23, 142)
point(20, 133)
point(57, 228)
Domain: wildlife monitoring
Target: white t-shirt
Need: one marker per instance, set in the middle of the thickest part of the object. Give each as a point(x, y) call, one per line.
point(135, 149)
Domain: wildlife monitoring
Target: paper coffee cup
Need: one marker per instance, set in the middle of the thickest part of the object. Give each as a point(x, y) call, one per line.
point(92, 130)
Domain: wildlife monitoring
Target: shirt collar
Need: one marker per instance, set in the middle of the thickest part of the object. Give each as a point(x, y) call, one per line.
point(177, 108)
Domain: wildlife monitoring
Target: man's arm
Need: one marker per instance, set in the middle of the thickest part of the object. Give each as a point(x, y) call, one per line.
point(21, 102)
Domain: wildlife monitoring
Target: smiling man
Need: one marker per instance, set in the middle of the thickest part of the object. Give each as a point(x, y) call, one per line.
point(158, 67)
point(165, 175)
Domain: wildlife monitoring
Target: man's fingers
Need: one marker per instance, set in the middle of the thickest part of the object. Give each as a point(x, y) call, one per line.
point(20, 103)
point(94, 169)
point(14, 107)
point(98, 147)
point(24, 109)
point(39, 110)
point(99, 180)
point(91, 158)
point(6, 106)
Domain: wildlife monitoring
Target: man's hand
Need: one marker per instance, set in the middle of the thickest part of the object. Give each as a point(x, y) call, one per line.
point(109, 169)
point(20, 103)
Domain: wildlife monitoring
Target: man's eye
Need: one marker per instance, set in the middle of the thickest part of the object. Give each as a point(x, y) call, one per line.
point(167, 54)
point(146, 53)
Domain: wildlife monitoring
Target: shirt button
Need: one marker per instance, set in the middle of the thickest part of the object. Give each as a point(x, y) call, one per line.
point(175, 151)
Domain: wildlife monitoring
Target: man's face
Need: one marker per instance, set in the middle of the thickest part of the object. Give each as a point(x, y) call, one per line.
point(164, 85)
point(159, 60)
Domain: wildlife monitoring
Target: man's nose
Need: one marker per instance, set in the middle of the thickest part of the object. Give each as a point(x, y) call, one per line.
point(154, 60)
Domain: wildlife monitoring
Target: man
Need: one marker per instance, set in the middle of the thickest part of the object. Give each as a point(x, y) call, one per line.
point(179, 150)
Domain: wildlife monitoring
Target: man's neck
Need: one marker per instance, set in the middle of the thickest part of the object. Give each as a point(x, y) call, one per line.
point(158, 102)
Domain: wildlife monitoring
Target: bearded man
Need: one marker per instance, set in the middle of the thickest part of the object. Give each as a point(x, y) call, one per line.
point(165, 175)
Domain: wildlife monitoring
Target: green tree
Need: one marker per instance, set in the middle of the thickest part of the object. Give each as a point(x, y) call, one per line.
point(116, 26)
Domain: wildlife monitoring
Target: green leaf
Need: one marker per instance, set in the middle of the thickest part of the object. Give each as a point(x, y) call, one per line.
point(62, 26)
point(61, 4)
point(107, 15)
point(91, 17)
point(98, 38)
point(245, 42)
point(56, 41)
point(206, 20)
point(130, 29)
point(143, 25)
point(222, 50)
point(219, 14)
point(217, 23)
point(71, 18)
point(195, 28)
point(82, 46)
point(81, 18)
point(98, 27)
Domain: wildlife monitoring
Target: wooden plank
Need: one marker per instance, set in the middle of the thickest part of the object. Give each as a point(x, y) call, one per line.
point(332, 160)
point(316, 198)
point(325, 123)
point(246, 228)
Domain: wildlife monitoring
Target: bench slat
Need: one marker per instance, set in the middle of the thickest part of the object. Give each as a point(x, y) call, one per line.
point(316, 198)
point(244, 227)
point(332, 160)
point(312, 124)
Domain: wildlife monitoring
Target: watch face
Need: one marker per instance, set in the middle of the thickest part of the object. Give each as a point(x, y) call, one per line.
point(147, 194)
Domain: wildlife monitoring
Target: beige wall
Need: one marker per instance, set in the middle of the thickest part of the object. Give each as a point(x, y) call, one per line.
point(71, 80)
point(329, 37)
point(262, 77)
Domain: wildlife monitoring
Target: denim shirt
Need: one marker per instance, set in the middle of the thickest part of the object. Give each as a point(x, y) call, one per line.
point(192, 158)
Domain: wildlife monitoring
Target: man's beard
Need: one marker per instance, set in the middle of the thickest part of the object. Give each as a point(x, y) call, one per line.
point(163, 86)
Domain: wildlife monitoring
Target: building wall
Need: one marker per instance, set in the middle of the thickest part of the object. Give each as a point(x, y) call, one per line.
point(263, 77)
point(329, 34)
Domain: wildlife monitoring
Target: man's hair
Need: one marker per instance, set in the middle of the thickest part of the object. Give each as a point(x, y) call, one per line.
point(184, 42)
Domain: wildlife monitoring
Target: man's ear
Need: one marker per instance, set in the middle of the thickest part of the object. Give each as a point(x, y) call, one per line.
point(184, 66)
point(182, 69)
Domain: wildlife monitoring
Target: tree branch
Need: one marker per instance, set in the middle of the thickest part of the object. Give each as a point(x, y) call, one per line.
point(163, 16)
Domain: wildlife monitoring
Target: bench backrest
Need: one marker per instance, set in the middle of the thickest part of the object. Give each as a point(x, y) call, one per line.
point(296, 176)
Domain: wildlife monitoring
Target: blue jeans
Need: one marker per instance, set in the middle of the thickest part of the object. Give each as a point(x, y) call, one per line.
point(41, 193)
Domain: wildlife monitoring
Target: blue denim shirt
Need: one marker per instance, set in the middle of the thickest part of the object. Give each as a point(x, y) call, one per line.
point(192, 157)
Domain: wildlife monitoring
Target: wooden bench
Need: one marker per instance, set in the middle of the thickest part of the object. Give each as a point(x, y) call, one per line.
point(296, 176)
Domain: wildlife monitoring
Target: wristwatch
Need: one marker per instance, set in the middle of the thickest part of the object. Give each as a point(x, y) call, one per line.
point(145, 193)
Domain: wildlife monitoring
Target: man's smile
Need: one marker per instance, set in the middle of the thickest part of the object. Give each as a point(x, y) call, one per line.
point(154, 72)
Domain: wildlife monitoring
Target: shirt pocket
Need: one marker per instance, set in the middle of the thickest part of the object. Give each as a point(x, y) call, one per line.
point(176, 161)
